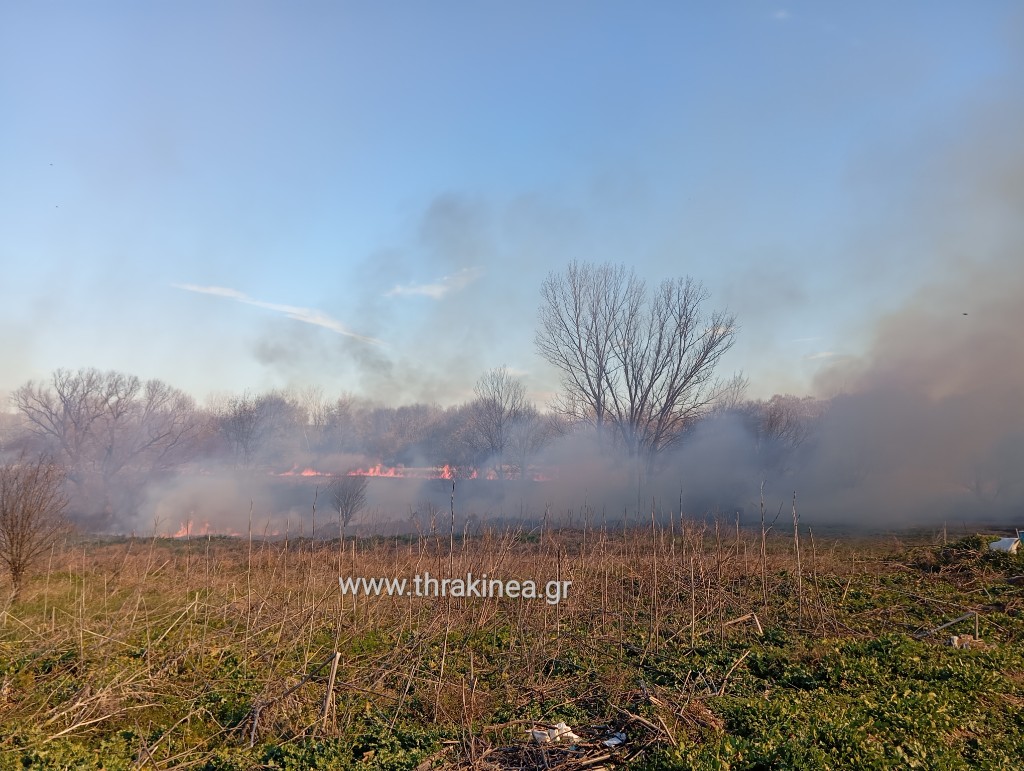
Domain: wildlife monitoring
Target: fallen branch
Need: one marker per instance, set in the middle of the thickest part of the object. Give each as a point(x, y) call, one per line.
point(973, 614)
point(747, 617)
point(330, 689)
point(721, 691)
point(257, 708)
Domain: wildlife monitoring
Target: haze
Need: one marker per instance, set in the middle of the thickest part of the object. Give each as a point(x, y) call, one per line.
point(367, 197)
point(216, 195)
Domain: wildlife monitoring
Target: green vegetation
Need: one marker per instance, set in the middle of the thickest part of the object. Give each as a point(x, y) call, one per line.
point(216, 654)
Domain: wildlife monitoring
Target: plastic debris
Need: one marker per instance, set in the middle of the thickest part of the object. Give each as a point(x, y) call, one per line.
point(615, 739)
point(963, 641)
point(559, 732)
point(1005, 544)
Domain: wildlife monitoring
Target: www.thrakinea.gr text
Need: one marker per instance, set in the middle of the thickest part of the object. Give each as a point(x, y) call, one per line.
point(427, 585)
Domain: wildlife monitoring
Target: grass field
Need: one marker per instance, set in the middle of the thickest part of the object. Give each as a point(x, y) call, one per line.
point(697, 644)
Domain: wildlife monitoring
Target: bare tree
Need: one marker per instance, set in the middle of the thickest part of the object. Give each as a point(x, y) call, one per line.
point(781, 426)
point(104, 426)
point(32, 504)
point(731, 396)
point(636, 364)
point(348, 497)
point(154, 431)
point(500, 403)
point(10, 427)
point(527, 436)
point(452, 438)
point(316, 411)
point(266, 426)
point(105, 421)
point(242, 426)
point(63, 413)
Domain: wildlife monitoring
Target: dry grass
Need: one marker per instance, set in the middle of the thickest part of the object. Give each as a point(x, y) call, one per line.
point(177, 652)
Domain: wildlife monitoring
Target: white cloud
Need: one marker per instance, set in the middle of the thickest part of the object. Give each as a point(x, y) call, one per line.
point(305, 315)
point(781, 14)
point(820, 355)
point(439, 288)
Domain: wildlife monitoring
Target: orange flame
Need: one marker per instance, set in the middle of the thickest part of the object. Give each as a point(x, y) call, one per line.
point(188, 529)
point(401, 472)
point(447, 471)
point(377, 471)
point(306, 472)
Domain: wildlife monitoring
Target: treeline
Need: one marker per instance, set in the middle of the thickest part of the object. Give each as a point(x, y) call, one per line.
point(114, 433)
point(106, 423)
point(638, 367)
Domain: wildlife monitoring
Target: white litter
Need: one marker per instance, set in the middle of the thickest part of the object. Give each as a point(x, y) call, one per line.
point(559, 732)
point(615, 739)
point(1005, 544)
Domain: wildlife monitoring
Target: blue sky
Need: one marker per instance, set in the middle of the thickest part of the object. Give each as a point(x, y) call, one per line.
point(367, 195)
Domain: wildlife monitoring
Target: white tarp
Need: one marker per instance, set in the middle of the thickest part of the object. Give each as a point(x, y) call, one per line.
point(1005, 544)
point(559, 732)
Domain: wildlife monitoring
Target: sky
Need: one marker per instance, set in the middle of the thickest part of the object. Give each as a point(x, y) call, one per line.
point(366, 196)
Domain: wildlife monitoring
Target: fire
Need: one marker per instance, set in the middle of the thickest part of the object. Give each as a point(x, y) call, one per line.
point(447, 471)
point(188, 529)
point(377, 471)
point(306, 472)
point(453, 472)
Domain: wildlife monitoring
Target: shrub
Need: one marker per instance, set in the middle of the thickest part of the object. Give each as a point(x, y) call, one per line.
point(32, 504)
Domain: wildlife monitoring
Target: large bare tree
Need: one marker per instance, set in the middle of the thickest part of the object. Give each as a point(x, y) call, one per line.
point(106, 421)
point(107, 426)
point(636, 363)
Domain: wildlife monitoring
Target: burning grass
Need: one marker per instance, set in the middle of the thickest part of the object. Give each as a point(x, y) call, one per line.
point(218, 653)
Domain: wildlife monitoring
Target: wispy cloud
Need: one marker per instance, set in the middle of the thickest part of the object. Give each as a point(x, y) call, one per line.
point(821, 355)
point(439, 288)
point(305, 315)
point(781, 14)
point(805, 339)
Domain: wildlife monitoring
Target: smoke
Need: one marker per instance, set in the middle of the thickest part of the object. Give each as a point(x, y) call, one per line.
point(927, 424)
point(925, 421)
point(930, 421)
point(422, 298)
point(454, 295)
point(193, 504)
